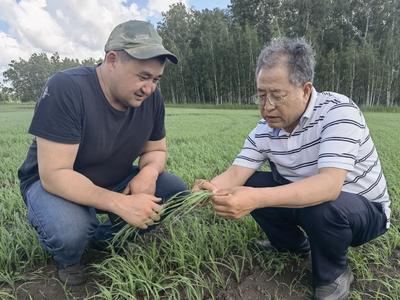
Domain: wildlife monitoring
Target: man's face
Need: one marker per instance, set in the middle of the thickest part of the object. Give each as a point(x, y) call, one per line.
point(132, 81)
point(288, 101)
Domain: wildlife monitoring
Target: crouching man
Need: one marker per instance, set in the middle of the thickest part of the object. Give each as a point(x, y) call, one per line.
point(326, 179)
point(90, 125)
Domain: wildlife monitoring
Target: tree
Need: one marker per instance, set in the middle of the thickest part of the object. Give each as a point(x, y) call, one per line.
point(356, 44)
point(27, 77)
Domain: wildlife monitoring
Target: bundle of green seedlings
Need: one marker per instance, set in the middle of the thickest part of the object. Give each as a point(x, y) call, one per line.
point(175, 208)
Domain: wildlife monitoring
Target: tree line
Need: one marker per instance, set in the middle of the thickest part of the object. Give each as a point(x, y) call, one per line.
point(27, 77)
point(356, 44)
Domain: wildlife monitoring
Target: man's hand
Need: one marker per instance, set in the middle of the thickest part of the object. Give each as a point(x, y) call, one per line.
point(144, 182)
point(140, 210)
point(202, 184)
point(234, 203)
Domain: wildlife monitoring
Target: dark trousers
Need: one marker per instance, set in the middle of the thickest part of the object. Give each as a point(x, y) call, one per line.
point(331, 227)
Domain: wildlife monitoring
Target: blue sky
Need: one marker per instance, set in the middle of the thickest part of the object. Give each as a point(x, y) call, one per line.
point(199, 4)
point(3, 26)
point(73, 28)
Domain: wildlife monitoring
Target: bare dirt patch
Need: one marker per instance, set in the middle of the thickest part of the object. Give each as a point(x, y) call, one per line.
point(43, 283)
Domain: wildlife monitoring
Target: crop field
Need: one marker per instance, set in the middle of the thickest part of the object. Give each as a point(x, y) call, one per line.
point(199, 256)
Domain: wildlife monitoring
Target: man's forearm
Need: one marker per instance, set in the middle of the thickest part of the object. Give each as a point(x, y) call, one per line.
point(77, 188)
point(154, 161)
point(232, 177)
point(307, 192)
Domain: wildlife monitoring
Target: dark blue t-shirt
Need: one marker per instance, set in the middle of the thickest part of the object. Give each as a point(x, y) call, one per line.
point(74, 110)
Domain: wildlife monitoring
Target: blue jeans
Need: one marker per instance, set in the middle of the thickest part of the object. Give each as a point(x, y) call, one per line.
point(65, 228)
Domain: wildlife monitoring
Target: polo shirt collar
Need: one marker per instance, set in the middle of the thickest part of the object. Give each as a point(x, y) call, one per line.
point(310, 107)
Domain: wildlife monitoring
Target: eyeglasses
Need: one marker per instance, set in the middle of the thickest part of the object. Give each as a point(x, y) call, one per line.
point(272, 99)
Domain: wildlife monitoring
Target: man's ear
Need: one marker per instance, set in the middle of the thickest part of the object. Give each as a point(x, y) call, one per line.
point(307, 89)
point(111, 58)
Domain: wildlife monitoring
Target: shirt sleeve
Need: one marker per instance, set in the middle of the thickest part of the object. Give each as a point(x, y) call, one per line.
point(251, 155)
point(158, 132)
point(58, 113)
point(341, 136)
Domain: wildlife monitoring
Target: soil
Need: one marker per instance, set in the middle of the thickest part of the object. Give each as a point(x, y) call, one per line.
point(291, 284)
point(255, 284)
point(42, 284)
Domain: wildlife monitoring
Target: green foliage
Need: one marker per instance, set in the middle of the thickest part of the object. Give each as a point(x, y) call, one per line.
point(356, 45)
point(27, 77)
point(199, 255)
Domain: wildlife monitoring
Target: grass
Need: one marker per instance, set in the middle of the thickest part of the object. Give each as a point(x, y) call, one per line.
point(198, 255)
point(177, 206)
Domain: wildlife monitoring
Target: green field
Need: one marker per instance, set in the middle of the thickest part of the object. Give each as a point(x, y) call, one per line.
point(201, 256)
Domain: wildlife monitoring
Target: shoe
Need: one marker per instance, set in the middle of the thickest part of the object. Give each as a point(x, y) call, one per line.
point(337, 290)
point(99, 245)
point(72, 275)
point(302, 250)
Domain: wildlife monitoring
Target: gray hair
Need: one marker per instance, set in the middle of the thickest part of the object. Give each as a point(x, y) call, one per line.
point(299, 56)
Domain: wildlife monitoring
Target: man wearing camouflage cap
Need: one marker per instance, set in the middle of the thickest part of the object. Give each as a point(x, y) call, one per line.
point(90, 125)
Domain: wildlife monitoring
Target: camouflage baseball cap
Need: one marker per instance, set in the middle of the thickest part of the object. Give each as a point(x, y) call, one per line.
point(139, 39)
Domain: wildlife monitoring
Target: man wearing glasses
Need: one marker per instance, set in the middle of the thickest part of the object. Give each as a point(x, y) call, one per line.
point(90, 125)
point(326, 190)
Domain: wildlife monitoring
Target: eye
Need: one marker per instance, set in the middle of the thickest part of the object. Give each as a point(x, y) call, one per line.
point(142, 77)
point(275, 97)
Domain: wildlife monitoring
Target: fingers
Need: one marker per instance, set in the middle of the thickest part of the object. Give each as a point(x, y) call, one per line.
point(222, 204)
point(154, 214)
point(157, 208)
point(202, 184)
point(140, 210)
point(223, 199)
point(153, 219)
point(156, 199)
point(225, 215)
point(149, 223)
point(142, 226)
point(197, 185)
point(222, 193)
point(156, 217)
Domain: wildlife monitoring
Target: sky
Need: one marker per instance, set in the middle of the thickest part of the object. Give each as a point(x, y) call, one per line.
point(73, 28)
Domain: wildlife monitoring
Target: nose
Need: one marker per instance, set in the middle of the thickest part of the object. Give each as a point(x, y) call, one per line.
point(148, 88)
point(267, 106)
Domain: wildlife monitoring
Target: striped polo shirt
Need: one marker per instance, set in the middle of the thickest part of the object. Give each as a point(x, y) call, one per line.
point(332, 132)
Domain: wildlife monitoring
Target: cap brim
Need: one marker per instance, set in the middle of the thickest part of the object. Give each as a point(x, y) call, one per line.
point(151, 51)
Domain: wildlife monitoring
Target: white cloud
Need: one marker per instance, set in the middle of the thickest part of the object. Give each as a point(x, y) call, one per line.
point(73, 28)
point(11, 49)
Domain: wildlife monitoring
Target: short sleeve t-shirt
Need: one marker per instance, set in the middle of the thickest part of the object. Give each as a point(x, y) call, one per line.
point(74, 110)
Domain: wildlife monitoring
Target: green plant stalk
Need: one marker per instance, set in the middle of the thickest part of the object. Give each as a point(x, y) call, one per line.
point(176, 207)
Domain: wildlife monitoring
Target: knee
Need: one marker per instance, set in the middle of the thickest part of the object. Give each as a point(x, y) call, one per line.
point(269, 214)
point(169, 184)
point(323, 215)
point(71, 237)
